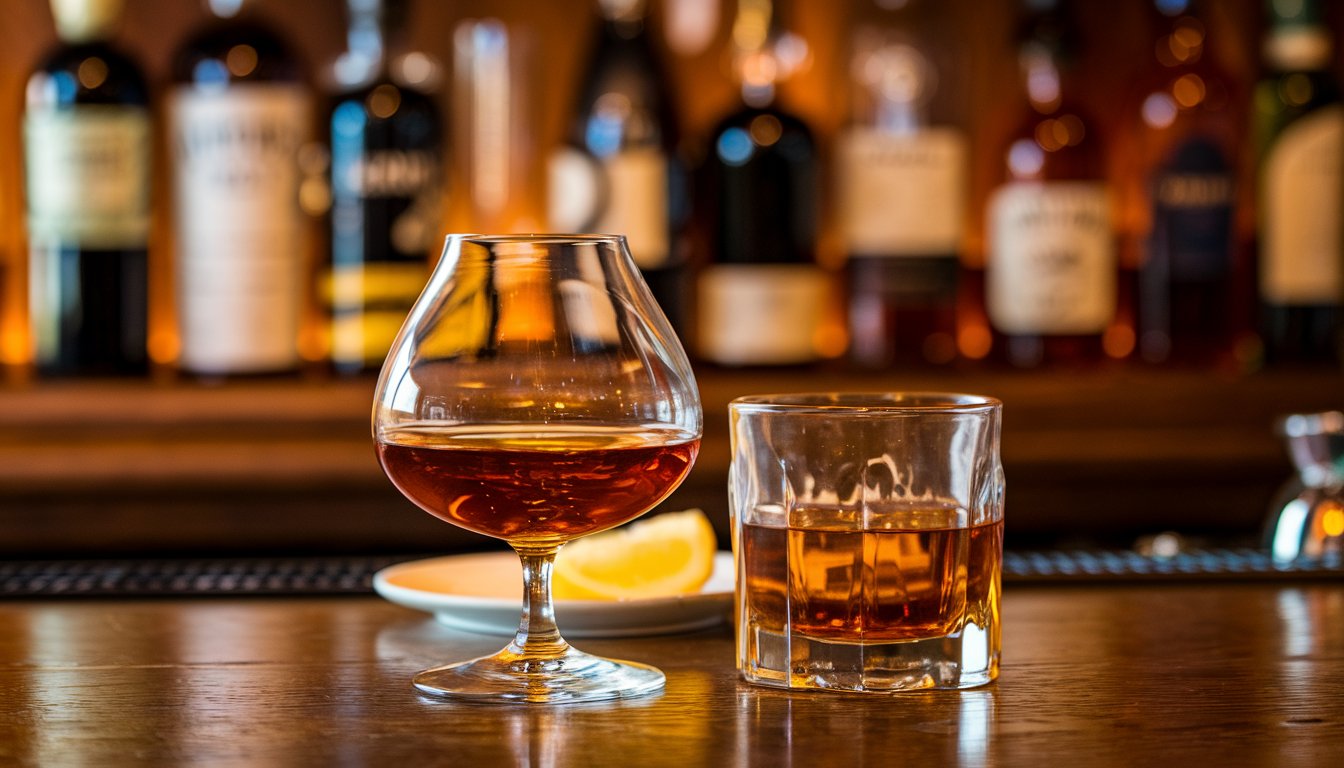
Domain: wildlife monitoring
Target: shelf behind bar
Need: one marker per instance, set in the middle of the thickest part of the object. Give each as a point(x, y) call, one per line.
point(287, 466)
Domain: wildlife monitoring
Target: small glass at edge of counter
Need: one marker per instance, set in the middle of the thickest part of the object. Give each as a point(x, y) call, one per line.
point(868, 540)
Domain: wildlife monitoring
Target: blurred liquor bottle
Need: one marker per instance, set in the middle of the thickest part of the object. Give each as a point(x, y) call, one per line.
point(901, 184)
point(619, 170)
point(386, 139)
point(1299, 121)
point(1050, 272)
point(1178, 155)
point(494, 129)
point(761, 300)
point(86, 131)
point(239, 112)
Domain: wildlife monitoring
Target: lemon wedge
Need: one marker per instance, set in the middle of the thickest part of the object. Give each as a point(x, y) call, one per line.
point(669, 554)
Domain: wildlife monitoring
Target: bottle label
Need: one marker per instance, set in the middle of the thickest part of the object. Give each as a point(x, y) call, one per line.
point(761, 314)
point(624, 194)
point(239, 228)
point(1051, 267)
point(902, 195)
point(384, 206)
point(1192, 214)
point(88, 176)
point(1302, 196)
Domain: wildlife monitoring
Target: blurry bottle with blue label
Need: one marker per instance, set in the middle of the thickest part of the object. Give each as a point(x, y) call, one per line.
point(386, 139)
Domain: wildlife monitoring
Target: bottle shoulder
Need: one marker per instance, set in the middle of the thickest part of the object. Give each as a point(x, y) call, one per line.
point(258, 54)
point(384, 114)
point(87, 73)
point(745, 115)
point(1064, 144)
point(624, 98)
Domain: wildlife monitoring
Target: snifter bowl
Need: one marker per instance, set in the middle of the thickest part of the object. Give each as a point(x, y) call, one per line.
point(536, 394)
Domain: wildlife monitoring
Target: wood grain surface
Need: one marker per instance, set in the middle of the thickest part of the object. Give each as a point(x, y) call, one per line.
point(1193, 675)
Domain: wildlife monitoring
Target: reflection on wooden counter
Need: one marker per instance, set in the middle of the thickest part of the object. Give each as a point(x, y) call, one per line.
point(1232, 674)
point(287, 466)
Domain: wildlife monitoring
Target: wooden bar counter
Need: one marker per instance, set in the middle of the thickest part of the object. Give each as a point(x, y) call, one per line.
point(1177, 673)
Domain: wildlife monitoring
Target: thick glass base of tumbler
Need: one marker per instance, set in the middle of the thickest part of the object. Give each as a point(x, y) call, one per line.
point(573, 677)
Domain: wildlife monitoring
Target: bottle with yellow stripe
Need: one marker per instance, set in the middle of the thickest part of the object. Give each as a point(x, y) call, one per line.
point(386, 149)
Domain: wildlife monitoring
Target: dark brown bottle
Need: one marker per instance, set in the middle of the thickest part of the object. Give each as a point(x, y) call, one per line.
point(87, 149)
point(761, 300)
point(901, 186)
point(1179, 188)
point(1050, 272)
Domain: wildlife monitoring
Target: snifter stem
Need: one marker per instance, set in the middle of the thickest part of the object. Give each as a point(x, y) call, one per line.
point(538, 666)
point(538, 637)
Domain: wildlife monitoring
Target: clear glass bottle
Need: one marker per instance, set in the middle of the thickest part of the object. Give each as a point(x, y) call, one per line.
point(239, 112)
point(86, 132)
point(1050, 272)
point(761, 300)
point(1299, 121)
point(901, 185)
point(620, 169)
point(386, 139)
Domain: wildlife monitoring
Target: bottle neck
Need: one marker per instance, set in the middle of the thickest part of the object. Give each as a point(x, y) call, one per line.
point(226, 9)
point(85, 21)
point(1295, 47)
point(1042, 78)
point(897, 81)
point(1046, 46)
point(623, 19)
point(1298, 39)
point(765, 54)
point(374, 39)
point(1183, 41)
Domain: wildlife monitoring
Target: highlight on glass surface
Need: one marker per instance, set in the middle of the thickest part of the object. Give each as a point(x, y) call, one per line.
point(536, 394)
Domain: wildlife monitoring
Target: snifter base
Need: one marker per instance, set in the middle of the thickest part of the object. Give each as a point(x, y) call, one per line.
point(574, 676)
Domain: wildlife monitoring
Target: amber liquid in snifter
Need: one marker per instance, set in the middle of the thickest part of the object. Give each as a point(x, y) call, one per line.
point(528, 483)
point(820, 581)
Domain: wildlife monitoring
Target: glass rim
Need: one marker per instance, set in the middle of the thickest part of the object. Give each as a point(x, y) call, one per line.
point(860, 403)
point(541, 238)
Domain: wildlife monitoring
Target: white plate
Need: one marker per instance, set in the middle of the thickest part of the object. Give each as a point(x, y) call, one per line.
point(484, 592)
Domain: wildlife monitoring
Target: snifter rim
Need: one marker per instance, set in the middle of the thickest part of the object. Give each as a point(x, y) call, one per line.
point(539, 238)
point(861, 403)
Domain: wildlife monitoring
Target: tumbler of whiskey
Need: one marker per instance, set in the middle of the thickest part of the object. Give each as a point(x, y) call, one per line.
point(868, 540)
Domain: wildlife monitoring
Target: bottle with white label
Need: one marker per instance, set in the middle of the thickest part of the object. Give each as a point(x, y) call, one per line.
point(238, 113)
point(386, 139)
point(1183, 133)
point(1299, 122)
point(901, 185)
point(619, 170)
point(761, 301)
point(1050, 271)
point(86, 131)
